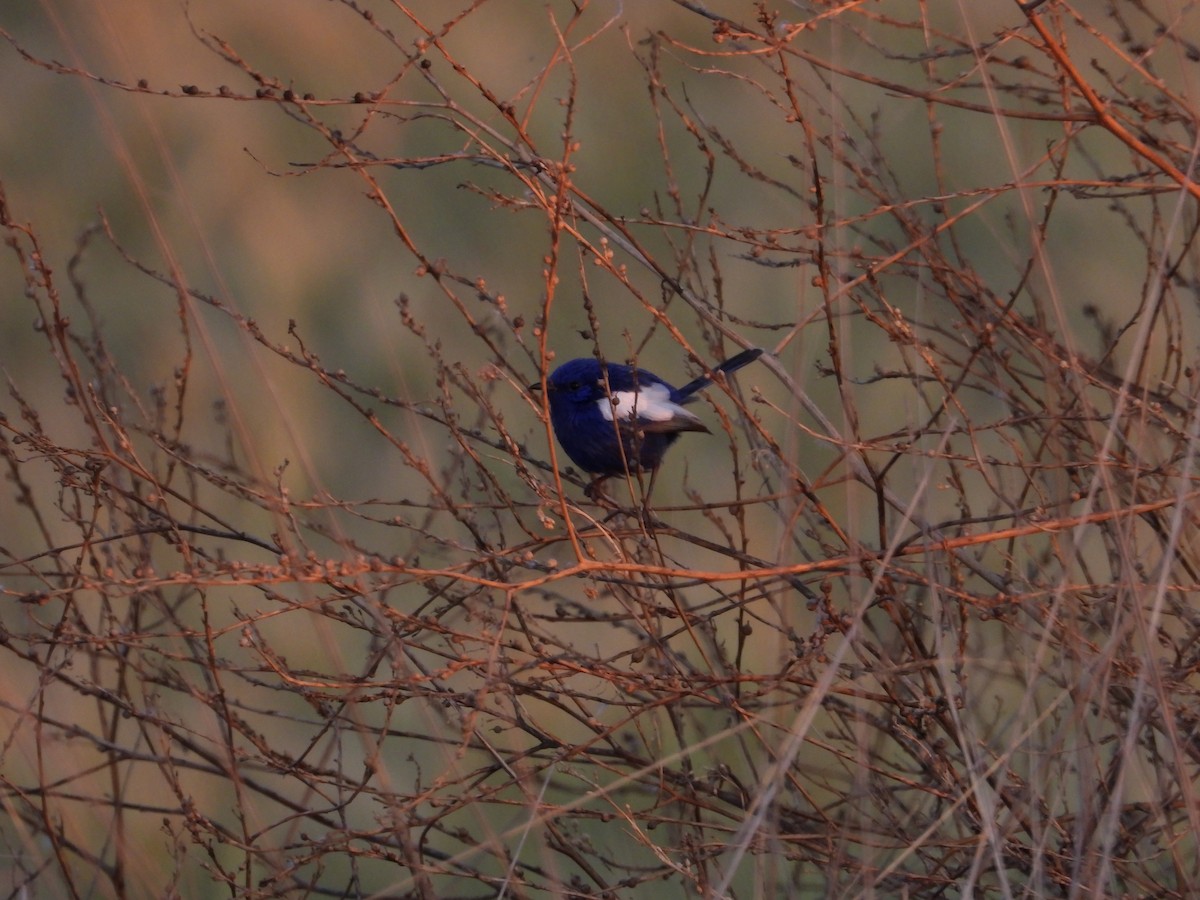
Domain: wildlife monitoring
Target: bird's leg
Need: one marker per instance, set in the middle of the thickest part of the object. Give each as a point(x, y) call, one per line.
point(645, 513)
point(639, 511)
point(594, 491)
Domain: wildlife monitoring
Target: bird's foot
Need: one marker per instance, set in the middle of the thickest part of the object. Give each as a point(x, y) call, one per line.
point(643, 515)
point(594, 491)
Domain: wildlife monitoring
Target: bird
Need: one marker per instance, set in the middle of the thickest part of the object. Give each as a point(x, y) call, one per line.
point(614, 419)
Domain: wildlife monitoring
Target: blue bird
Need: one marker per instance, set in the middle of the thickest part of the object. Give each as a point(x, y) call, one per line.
point(628, 424)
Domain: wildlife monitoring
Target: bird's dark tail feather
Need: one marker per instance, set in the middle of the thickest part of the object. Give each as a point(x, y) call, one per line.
point(728, 367)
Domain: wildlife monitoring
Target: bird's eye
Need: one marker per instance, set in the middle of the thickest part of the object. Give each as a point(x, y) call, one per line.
point(573, 386)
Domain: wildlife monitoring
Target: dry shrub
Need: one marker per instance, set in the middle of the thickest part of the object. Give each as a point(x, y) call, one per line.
point(918, 620)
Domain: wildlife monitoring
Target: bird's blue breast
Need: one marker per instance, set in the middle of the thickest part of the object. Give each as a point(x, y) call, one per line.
point(602, 446)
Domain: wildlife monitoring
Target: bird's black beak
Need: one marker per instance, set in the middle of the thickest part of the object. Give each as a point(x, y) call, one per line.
point(536, 386)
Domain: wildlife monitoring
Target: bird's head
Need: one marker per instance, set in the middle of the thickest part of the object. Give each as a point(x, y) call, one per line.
point(576, 382)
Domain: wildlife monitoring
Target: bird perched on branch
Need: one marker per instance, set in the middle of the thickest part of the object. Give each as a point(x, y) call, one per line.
point(612, 419)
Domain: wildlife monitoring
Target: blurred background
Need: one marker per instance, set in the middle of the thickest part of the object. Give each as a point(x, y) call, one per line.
point(283, 545)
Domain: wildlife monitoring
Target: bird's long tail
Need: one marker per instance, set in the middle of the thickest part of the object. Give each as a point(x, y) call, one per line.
point(728, 367)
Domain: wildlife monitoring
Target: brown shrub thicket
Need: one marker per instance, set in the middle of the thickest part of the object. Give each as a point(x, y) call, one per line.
point(300, 598)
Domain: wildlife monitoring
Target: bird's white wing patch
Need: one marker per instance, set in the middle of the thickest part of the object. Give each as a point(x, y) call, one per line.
point(651, 403)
